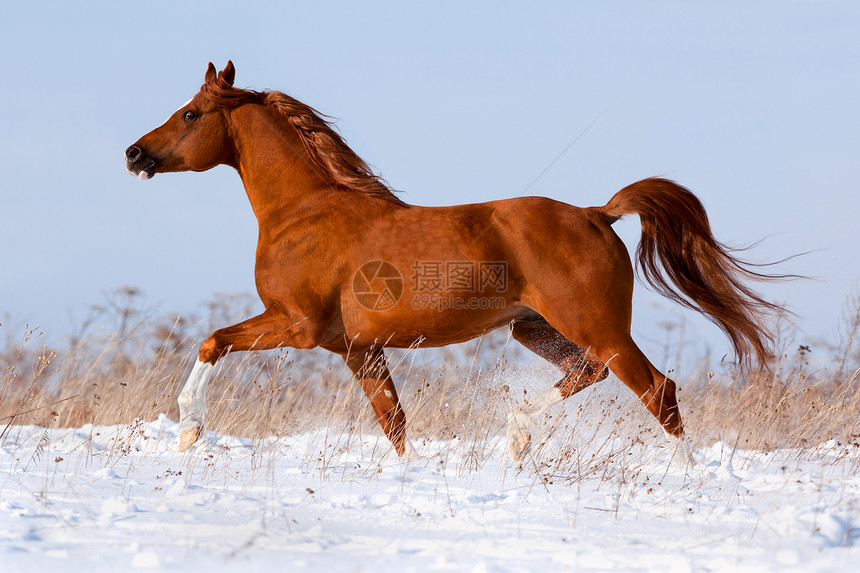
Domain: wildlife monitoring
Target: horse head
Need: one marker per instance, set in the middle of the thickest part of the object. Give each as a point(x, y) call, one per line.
point(194, 138)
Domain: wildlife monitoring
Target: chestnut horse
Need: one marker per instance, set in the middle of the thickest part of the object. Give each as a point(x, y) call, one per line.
point(344, 264)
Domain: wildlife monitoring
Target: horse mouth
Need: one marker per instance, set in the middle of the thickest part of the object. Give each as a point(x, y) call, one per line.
point(143, 171)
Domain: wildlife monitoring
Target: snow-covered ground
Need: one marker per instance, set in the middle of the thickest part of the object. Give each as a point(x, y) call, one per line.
point(120, 497)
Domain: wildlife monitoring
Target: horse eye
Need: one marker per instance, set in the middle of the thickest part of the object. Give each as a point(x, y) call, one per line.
point(189, 116)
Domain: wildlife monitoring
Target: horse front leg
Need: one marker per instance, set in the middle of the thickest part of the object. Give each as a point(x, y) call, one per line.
point(370, 368)
point(273, 329)
point(192, 404)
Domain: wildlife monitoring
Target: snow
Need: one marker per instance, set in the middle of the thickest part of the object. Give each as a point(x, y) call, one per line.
point(122, 498)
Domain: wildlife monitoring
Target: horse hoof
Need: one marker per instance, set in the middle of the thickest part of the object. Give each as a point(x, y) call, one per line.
point(683, 457)
point(188, 437)
point(410, 454)
point(680, 450)
point(519, 445)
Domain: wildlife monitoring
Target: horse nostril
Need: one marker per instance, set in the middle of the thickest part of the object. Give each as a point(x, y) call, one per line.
point(134, 154)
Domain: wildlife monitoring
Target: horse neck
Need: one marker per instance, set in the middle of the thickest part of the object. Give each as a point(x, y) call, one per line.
point(276, 171)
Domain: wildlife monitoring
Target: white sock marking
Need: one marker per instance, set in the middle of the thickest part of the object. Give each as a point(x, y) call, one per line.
point(522, 418)
point(409, 452)
point(682, 453)
point(192, 399)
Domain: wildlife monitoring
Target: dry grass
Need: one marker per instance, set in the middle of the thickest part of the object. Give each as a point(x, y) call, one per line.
point(124, 364)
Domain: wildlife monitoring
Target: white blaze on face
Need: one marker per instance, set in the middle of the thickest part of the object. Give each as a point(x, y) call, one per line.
point(183, 105)
point(172, 114)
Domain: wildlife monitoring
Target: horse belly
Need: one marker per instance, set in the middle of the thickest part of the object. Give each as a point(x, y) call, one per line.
point(429, 327)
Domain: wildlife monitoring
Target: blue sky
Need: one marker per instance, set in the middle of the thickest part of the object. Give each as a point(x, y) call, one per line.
point(752, 105)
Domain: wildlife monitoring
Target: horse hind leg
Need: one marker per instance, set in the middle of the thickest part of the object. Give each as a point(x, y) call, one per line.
point(654, 389)
point(579, 371)
point(370, 368)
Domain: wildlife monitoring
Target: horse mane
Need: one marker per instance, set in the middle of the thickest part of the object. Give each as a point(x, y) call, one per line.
point(332, 158)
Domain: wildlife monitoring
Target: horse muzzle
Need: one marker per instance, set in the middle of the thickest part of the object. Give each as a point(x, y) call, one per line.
point(138, 163)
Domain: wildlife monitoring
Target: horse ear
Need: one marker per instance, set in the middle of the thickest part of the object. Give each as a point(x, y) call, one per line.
point(228, 74)
point(211, 72)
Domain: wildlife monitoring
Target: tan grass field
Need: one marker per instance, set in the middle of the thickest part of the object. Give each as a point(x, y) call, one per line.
point(134, 370)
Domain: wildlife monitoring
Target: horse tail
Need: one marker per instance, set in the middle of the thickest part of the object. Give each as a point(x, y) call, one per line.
point(679, 256)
